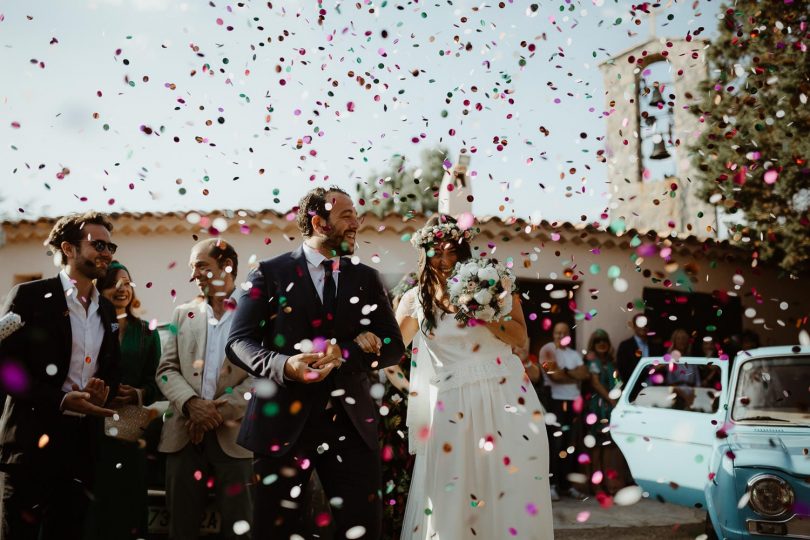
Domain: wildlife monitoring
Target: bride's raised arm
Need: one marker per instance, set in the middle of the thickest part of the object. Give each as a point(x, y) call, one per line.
point(406, 316)
point(511, 329)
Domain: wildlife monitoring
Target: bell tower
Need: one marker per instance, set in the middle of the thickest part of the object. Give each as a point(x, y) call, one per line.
point(649, 89)
point(455, 192)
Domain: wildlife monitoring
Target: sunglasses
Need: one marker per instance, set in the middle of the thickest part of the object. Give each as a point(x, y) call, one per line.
point(101, 245)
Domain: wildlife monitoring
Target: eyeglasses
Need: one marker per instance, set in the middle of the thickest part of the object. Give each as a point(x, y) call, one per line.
point(101, 245)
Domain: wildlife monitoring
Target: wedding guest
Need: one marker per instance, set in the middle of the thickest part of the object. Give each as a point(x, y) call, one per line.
point(634, 348)
point(709, 348)
point(749, 340)
point(207, 396)
point(119, 507)
point(60, 371)
point(605, 456)
point(680, 373)
point(564, 370)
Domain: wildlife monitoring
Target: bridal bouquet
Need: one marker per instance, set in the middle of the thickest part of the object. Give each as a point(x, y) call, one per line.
point(482, 290)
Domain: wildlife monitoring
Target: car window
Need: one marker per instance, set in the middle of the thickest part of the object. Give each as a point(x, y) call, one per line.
point(773, 390)
point(678, 386)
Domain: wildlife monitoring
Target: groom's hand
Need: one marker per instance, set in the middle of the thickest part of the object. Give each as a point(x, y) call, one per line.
point(369, 343)
point(332, 358)
point(300, 367)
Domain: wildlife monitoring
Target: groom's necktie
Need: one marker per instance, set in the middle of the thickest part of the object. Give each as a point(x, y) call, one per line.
point(329, 290)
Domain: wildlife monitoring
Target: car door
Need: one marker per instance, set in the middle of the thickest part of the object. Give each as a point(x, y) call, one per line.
point(666, 428)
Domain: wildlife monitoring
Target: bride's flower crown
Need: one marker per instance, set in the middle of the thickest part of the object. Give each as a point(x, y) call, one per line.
point(448, 232)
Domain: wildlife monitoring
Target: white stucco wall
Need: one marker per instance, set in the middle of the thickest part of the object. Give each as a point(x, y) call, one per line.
point(159, 254)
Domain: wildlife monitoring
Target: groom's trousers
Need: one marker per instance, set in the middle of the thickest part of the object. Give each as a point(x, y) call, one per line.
point(349, 471)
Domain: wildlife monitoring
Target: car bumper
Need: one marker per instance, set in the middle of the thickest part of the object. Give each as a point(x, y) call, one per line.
point(794, 527)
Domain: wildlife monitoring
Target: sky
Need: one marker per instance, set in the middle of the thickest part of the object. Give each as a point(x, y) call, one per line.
point(162, 105)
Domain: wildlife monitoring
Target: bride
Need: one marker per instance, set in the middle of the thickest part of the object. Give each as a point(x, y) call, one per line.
point(474, 420)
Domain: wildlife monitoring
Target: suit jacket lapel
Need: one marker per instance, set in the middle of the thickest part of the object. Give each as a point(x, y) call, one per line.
point(199, 329)
point(61, 315)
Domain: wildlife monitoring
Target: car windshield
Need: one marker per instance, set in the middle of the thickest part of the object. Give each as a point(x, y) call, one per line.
point(773, 391)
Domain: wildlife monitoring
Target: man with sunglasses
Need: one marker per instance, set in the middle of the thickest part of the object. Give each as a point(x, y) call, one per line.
point(59, 373)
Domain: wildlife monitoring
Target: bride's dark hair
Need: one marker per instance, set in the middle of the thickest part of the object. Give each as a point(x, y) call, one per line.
point(429, 281)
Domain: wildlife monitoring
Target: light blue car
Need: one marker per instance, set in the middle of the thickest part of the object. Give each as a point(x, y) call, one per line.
point(736, 444)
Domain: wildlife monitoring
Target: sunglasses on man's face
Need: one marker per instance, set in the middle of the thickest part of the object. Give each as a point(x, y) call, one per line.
point(101, 245)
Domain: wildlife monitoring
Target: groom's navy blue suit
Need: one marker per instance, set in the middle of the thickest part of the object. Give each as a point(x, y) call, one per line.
point(287, 429)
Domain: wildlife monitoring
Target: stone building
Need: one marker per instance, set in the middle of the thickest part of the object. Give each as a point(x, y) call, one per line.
point(646, 197)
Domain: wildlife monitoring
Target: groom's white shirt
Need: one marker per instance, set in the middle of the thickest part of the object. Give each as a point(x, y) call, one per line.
point(316, 271)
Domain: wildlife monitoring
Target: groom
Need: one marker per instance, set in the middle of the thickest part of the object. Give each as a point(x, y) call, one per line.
point(302, 324)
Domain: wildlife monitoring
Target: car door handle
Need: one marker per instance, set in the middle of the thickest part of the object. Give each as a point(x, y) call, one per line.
point(624, 413)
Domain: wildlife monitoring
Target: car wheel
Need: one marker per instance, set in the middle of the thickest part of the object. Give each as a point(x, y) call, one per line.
point(708, 529)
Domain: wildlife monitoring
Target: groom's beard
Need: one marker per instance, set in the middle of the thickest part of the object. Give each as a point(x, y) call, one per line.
point(340, 244)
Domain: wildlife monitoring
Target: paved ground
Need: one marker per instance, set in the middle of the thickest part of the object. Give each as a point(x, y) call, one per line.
point(645, 520)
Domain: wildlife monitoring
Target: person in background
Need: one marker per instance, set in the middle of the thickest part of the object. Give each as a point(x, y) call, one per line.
point(749, 340)
point(60, 371)
point(119, 506)
point(709, 348)
point(207, 396)
point(564, 371)
point(599, 402)
point(634, 348)
point(680, 373)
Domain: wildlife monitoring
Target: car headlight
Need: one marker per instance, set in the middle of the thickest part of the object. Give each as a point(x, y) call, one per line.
point(770, 495)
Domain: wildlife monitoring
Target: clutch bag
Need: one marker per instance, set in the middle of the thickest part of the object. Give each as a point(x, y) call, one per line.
point(129, 422)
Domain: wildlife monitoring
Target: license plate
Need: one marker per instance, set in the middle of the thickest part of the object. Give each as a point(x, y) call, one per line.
point(159, 521)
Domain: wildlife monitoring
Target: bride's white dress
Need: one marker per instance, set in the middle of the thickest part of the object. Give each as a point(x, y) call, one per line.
point(478, 431)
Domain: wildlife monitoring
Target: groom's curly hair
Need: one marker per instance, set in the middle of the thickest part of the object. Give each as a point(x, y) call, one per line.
point(314, 204)
point(429, 281)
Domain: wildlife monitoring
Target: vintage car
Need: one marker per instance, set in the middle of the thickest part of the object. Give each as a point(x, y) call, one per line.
point(735, 441)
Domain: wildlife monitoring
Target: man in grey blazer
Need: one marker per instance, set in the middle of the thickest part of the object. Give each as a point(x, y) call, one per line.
point(207, 396)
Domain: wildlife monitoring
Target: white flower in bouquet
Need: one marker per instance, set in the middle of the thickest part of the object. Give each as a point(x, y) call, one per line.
point(481, 289)
point(468, 270)
point(488, 274)
point(486, 313)
point(455, 287)
point(505, 301)
point(483, 297)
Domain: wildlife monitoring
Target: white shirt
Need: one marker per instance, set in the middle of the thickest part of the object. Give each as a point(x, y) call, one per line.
point(316, 271)
point(566, 358)
point(87, 331)
point(215, 342)
point(318, 274)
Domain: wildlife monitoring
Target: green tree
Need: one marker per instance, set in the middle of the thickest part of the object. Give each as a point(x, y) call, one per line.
point(402, 189)
point(754, 150)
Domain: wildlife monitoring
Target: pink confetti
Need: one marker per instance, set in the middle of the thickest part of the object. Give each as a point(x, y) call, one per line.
point(465, 221)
